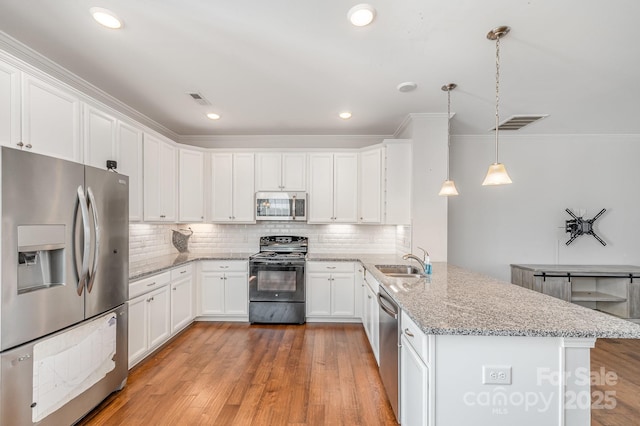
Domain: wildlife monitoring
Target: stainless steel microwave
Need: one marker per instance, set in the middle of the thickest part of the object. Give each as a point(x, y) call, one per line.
point(281, 206)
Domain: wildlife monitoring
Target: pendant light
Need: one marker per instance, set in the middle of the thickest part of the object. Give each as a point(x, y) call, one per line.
point(497, 174)
point(449, 186)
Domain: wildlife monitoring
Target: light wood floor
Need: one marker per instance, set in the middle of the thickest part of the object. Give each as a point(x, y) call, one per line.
point(622, 358)
point(314, 374)
point(240, 374)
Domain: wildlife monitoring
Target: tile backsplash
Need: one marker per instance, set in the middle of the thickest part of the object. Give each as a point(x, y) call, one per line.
point(153, 240)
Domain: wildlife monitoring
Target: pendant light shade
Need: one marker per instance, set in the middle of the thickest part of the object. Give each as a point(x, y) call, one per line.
point(497, 173)
point(449, 186)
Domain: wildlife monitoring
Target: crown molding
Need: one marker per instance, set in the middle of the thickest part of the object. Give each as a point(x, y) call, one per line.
point(283, 141)
point(40, 64)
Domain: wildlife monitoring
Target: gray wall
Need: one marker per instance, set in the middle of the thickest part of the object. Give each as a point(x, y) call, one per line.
point(491, 227)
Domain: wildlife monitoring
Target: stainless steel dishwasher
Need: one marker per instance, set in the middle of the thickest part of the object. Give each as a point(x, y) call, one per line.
point(389, 348)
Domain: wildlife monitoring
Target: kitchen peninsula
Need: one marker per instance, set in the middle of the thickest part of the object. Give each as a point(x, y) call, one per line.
point(466, 325)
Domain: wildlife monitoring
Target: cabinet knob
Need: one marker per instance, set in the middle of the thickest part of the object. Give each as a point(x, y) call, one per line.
point(20, 144)
point(408, 333)
point(175, 288)
point(28, 146)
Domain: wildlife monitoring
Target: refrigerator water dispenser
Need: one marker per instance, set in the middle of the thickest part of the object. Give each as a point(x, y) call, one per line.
point(40, 257)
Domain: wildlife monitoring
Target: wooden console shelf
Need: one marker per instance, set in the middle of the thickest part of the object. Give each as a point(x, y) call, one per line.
point(614, 289)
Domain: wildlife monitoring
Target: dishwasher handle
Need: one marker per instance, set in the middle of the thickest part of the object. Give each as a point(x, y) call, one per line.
point(388, 306)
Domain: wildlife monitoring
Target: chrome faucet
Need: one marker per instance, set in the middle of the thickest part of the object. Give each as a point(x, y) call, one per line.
point(422, 261)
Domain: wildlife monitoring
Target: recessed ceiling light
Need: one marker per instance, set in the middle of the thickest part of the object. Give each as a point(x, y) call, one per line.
point(345, 115)
point(213, 116)
point(361, 15)
point(106, 18)
point(407, 86)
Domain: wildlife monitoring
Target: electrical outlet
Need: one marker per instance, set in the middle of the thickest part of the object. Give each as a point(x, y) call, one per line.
point(496, 375)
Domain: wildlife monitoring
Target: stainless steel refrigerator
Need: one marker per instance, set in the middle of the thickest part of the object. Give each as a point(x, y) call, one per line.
point(64, 270)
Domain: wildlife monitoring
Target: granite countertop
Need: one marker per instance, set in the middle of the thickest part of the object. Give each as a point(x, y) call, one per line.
point(156, 265)
point(454, 300)
point(622, 270)
point(457, 301)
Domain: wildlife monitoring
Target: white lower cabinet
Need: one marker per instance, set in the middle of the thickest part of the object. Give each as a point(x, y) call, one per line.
point(159, 306)
point(370, 314)
point(224, 290)
point(330, 290)
point(415, 362)
point(148, 323)
point(181, 298)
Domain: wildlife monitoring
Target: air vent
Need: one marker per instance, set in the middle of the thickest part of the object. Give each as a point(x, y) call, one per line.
point(199, 98)
point(517, 122)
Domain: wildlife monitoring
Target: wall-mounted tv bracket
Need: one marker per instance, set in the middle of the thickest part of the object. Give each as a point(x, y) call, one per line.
point(579, 226)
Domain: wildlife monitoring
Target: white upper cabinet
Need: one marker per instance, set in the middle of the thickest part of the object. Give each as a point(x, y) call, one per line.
point(50, 120)
point(100, 130)
point(159, 180)
point(190, 186)
point(371, 182)
point(232, 187)
point(281, 171)
point(129, 150)
point(9, 105)
point(333, 187)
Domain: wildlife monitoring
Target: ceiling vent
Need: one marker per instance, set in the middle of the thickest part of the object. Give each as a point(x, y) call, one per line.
point(199, 98)
point(517, 122)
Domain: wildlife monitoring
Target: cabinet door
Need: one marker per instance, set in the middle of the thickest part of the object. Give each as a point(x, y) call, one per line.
point(50, 120)
point(345, 186)
point(138, 328)
point(557, 287)
point(366, 312)
point(373, 323)
point(159, 311)
point(414, 379)
point(371, 186)
point(9, 105)
point(168, 182)
point(320, 188)
point(191, 186)
point(181, 303)
point(222, 187)
point(212, 302)
point(342, 295)
point(152, 204)
point(129, 148)
point(99, 137)
point(243, 184)
point(236, 294)
point(318, 294)
point(359, 291)
point(294, 171)
point(268, 171)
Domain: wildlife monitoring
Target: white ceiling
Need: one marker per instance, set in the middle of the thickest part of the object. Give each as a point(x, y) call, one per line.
point(290, 66)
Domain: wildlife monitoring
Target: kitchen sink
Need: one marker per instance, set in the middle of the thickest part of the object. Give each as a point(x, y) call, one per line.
point(400, 271)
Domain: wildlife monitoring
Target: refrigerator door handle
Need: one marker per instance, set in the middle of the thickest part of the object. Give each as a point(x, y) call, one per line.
point(86, 247)
point(96, 253)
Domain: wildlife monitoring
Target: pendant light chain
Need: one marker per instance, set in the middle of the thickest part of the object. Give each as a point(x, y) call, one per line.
point(497, 92)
